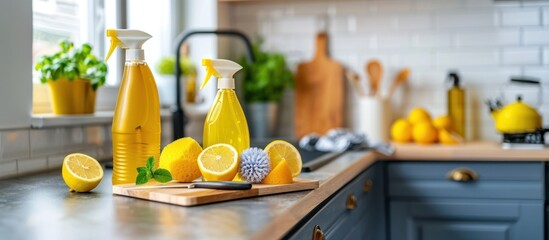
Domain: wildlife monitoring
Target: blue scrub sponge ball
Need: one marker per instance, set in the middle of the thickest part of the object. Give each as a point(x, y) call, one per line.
point(254, 165)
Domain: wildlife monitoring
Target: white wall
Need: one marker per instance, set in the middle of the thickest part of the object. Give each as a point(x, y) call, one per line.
point(486, 41)
point(15, 64)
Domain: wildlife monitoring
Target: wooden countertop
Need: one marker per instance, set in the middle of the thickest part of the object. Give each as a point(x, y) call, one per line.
point(474, 151)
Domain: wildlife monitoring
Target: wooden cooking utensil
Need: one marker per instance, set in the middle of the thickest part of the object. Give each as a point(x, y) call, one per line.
point(354, 78)
point(319, 100)
point(400, 79)
point(375, 73)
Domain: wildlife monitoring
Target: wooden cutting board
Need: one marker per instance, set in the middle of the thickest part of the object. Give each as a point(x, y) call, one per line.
point(198, 196)
point(320, 86)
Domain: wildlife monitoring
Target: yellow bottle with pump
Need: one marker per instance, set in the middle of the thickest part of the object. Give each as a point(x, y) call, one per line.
point(456, 104)
point(136, 123)
point(225, 122)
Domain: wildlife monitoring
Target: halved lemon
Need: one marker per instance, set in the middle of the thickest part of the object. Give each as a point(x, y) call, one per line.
point(218, 162)
point(279, 150)
point(81, 172)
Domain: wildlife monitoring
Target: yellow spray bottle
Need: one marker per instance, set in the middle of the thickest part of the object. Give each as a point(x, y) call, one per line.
point(225, 122)
point(136, 123)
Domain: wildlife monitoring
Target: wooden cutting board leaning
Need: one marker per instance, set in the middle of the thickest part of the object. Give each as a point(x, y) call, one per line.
point(320, 86)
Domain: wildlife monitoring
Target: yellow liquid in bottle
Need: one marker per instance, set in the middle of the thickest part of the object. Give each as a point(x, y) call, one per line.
point(136, 123)
point(456, 109)
point(226, 122)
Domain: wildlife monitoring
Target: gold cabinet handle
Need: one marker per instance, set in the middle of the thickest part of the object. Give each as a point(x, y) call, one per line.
point(462, 175)
point(351, 202)
point(318, 234)
point(368, 185)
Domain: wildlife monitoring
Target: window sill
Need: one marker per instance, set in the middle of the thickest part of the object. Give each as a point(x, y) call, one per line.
point(98, 118)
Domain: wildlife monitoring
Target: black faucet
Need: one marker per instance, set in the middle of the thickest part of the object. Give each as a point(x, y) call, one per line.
point(178, 115)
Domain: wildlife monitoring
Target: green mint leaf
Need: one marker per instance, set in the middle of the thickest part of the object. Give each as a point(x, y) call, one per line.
point(142, 178)
point(142, 170)
point(162, 175)
point(150, 163)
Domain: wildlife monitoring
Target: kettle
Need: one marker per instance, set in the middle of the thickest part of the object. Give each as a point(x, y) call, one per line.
point(516, 117)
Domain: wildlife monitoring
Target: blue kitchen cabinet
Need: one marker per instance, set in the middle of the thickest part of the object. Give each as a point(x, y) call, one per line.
point(354, 212)
point(497, 200)
point(466, 220)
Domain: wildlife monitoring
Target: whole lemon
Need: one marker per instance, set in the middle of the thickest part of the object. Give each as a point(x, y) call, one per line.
point(424, 133)
point(180, 158)
point(447, 137)
point(418, 115)
point(401, 131)
point(443, 122)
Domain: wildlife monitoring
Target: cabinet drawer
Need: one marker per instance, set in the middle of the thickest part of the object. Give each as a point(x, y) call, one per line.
point(493, 180)
point(334, 218)
point(474, 219)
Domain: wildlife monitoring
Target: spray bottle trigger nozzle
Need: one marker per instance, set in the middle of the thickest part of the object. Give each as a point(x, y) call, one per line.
point(114, 42)
point(210, 71)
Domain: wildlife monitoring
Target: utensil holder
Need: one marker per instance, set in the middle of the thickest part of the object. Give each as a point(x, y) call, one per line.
point(374, 118)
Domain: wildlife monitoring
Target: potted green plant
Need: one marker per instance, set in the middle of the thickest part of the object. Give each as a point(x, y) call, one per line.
point(265, 81)
point(73, 76)
point(166, 66)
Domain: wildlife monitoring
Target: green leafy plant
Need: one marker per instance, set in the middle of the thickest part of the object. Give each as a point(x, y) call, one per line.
point(71, 63)
point(146, 173)
point(266, 79)
point(166, 66)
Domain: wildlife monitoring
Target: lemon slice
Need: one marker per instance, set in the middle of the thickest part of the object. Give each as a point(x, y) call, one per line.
point(279, 150)
point(280, 174)
point(81, 172)
point(218, 162)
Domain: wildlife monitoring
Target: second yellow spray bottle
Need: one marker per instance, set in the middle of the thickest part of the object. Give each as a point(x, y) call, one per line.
point(225, 122)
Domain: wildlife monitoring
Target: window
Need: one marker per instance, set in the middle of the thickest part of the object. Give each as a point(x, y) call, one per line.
point(85, 21)
point(75, 20)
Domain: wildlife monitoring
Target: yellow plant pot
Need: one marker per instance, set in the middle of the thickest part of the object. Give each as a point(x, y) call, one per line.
point(71, 97)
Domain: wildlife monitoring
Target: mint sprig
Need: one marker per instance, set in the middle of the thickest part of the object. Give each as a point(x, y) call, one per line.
point(146, 173)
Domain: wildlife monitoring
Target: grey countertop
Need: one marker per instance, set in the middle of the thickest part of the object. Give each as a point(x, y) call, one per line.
point(40, 207)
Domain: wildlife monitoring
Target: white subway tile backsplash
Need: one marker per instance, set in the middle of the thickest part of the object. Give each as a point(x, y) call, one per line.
point(414, 21)
point(395, 6)
point(500, 37)
point(295, 25)
point(8, 169)
point(520, 17)
point(485, 41)
point(393, 41)
point(466, 19)
point(546, 55)
point(376, 22)
point(431, 40)
point(342, 24)
point(351, 43)
point(412, 59)
point(487, 77)
point(14, 144)
point(25, 166)
point(45, 141)
point(438, 4)
point(475, 4)
point(536, 36)
point(539, 72)
point(469, 57)
point(55, 161)
point(545, 13)
point(94, 135)
point(521, 56)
